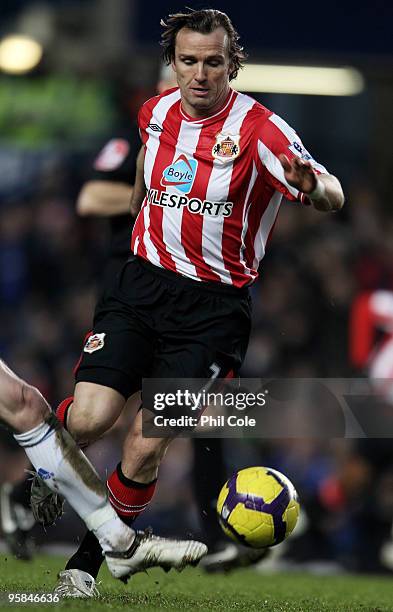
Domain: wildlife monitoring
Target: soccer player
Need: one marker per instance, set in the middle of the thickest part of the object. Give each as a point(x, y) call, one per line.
point(210, 177)
point(107, 193)
point(64, 468)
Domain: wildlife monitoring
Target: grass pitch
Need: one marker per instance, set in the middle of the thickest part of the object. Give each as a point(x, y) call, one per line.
point(243, 590)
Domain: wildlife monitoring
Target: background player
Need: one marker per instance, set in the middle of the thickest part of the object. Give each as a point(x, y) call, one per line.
point(371, 339)
point(366, 477)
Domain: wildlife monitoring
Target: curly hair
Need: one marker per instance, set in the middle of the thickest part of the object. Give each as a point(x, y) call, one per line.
point(203, 21)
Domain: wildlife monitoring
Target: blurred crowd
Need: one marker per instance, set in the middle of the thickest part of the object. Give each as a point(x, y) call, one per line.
point(316, 264)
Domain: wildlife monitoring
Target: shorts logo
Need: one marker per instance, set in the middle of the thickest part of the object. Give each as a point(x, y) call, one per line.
point(94, 343)
point(180, 174)
point(226, 147)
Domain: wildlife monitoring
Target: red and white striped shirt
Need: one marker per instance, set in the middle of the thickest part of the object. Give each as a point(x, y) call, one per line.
point(214, 187)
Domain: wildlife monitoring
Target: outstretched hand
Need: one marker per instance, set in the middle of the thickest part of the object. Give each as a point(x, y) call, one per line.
point(299, 173)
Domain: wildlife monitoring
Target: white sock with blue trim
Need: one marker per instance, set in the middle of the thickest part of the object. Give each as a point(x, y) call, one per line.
point(66, 470)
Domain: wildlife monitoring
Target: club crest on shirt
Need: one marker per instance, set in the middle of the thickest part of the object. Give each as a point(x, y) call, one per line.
point(226, 146)
point(94, 343)
point(180, 174)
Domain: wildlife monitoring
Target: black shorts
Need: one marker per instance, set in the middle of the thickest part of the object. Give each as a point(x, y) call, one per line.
point(153, 323)
point(111, 270)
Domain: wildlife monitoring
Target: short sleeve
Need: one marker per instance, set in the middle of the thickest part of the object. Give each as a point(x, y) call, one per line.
point(275, 137)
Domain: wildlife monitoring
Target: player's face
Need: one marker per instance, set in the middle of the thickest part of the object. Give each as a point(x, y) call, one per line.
point(202, 68)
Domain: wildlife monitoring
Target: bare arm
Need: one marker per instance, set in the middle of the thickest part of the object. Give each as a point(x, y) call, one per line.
point(139, 191)
point(104, 198)
point(323, 191)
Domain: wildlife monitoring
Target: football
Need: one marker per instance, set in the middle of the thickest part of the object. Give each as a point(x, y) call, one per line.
point(258, 507)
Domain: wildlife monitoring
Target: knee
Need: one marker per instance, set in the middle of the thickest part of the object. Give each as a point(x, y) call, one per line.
point(88, 420)
point(82, 424)
point(29, 407)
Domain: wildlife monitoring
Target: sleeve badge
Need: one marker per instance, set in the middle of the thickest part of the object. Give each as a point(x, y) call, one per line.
point(112, 155)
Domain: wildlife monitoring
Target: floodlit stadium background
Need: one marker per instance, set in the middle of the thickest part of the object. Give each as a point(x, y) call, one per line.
point(77, 71)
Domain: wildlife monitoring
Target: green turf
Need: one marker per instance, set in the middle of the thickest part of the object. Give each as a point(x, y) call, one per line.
point(193, 590)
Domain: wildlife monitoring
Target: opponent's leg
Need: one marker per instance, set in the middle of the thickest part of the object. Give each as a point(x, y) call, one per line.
point(96, 409)
point(87, 415)
point(68, 471)
point(57, 458)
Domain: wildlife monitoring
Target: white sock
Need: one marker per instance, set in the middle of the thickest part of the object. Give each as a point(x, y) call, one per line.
point(66, 470)
point(113, 534)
